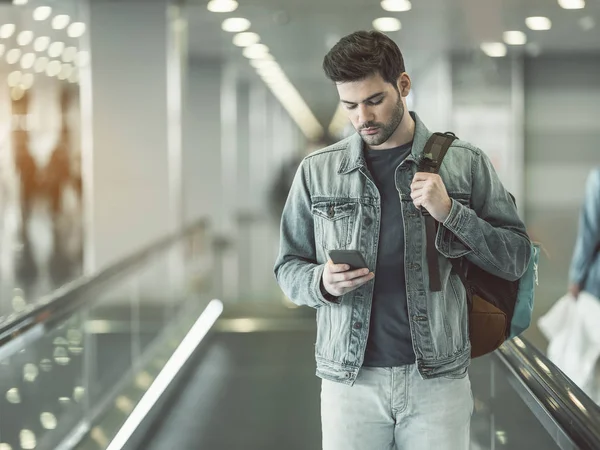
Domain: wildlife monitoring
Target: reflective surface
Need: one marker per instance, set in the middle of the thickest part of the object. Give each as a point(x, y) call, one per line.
point(40, 151)
point(57, 379)
point(567, 413)
point(36, 256)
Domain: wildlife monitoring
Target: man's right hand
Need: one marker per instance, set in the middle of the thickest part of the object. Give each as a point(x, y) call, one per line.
point(338, 279)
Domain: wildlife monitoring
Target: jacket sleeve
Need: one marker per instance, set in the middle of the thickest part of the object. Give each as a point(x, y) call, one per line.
point(489, 233)
point(588, 236)
point(296, 269)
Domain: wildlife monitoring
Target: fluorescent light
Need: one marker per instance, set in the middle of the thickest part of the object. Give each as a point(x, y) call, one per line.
point(40, 64)
point(494, 49)
point(60, 22)
point(53, 68)
point(387, 24)
point(515, 38)
point(294, 104)
point(48, 420)
point(41, 44)
point(396, 5)
point(572, 4)
point(14, 78)
point(65, 71)
point(256, 51)
point(7, 30)
point(235, 24)
point(76, 29)
point(246, 39)
point(69, 54)
point(270, 70)
point(191, 341)
point(56, 49)
point(25, 37)
point(12, 56)
point(27, 81)
point(19, 2)
point(74, 78)
point(222, 6)
point(538, 23)
point(264, 62)
point(28, 60)
point(42, 13)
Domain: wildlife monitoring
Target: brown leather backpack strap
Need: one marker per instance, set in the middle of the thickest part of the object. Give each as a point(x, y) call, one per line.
point(435, 149)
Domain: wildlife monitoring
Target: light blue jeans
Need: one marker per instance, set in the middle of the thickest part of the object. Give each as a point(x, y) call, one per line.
point(394, 408)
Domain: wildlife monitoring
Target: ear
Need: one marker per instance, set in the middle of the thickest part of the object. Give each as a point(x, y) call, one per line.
point(404, 84)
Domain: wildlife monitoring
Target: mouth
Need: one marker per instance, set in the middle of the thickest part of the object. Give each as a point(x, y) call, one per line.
point(372, 130)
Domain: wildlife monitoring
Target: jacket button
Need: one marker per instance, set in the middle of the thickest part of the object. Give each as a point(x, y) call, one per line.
point(357, 325)
point(416, 266)
point(331, 211)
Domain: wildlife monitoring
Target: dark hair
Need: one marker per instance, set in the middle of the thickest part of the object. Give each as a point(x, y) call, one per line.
point(362, 54)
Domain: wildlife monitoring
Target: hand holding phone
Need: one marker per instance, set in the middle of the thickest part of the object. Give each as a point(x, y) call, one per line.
point(345, 271)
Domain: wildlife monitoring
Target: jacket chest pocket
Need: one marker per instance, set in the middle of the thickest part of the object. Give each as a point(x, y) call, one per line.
point(334, 222)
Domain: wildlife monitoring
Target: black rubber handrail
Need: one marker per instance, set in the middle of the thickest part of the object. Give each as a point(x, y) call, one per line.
point(577, 415)
point(47, 308)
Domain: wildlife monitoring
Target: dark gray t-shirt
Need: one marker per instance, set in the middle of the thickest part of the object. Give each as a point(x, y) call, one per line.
point(390, 342)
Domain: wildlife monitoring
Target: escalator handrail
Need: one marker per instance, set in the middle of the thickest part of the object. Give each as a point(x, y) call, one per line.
point(570, 408)
point(55, 304)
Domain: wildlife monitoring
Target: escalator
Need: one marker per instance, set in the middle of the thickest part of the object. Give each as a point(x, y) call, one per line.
point(257, 390)
point(142, 357)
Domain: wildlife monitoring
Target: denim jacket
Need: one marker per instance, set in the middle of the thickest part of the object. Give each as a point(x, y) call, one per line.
point(334, 204)
point(585, 265)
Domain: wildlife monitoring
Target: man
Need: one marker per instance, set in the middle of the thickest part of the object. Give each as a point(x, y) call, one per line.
point(392, 354)
point(585, 265)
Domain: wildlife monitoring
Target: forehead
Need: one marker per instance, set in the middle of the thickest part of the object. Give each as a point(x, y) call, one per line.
point(356, 91)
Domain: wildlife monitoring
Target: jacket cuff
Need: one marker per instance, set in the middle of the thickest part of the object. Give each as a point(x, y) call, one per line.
point(447, 242)
point(323, 298)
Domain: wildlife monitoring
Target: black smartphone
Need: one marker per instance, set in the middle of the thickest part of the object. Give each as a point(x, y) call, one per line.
point(353, 258)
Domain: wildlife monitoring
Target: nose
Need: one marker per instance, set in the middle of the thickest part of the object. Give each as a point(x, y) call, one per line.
point(364, 114)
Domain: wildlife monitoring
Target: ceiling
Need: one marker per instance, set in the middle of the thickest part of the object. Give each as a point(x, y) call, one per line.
point(299, 33)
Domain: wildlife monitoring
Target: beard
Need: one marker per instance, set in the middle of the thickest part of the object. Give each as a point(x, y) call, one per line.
point(385, 130)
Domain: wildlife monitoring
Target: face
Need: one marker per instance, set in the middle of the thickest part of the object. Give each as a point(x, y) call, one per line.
point(374, 106)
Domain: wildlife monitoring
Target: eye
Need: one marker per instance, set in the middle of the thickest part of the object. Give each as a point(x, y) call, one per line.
point(350, 106)
point(378, 102)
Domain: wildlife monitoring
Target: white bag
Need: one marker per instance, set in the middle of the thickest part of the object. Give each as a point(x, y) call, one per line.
point(573, 329)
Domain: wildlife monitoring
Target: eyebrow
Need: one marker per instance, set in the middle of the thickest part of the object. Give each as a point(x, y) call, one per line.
point(365, 100)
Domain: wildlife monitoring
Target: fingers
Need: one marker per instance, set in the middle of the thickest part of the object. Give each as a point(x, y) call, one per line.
point(336, 268)
point(417, 185)
point(356, 282)
point(343, 281)
point(347, 276)
point(424, 176)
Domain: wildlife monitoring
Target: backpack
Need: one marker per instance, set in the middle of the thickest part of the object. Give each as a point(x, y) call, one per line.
point(498, 309)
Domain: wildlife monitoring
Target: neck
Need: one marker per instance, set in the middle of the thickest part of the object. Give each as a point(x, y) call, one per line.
point(403, 134)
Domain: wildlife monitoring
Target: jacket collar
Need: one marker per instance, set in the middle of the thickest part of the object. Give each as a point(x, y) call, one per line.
point(354, 154)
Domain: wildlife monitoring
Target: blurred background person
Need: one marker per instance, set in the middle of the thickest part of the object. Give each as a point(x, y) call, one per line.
point(584, 274)
point(26, 166)
point(282, 182)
